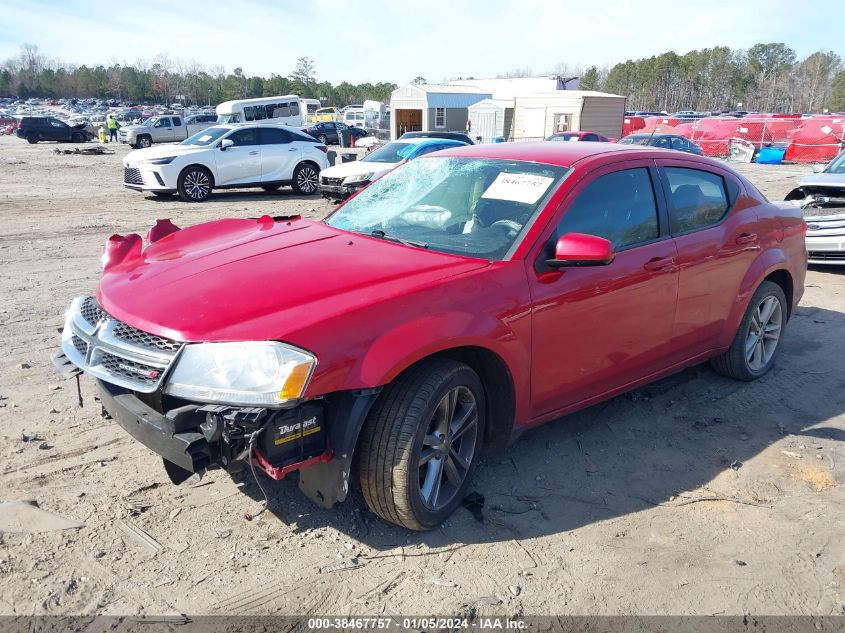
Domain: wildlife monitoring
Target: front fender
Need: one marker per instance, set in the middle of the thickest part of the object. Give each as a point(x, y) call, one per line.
point(767, 262)
point(396, 350)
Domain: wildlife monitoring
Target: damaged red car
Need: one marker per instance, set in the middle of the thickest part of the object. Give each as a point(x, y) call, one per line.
point(457, 301)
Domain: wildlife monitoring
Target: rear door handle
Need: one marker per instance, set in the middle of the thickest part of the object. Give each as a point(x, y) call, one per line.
point(658, 263)
point(255, 153)
point(292, 149)
point(746, 238)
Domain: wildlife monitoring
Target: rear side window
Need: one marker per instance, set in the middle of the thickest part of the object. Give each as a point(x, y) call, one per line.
point(273, 136)
point(619, 207)
point(249, 114)
point(281, 110)
point(697, 199)
point(177, 120)
point(294, 109)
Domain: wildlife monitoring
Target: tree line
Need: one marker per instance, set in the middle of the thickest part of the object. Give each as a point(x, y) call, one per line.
point(763, 78)
point(163, 80)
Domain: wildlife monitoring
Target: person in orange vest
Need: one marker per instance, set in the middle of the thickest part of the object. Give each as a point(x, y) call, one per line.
point(112, 123)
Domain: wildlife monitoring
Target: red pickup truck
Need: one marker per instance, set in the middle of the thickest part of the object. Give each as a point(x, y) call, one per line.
point(457, 301)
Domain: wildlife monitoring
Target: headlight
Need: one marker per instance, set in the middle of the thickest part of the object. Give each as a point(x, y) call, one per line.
point(158, 161)
point(358, 179)
point(258, 374)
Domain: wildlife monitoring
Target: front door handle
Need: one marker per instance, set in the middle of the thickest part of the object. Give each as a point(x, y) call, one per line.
point(255, 153)
point(292, 149)
point(746, 238)
point(658, 263)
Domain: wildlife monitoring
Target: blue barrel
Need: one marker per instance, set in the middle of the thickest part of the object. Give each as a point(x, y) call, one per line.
point(771, 155)
point(498, 139)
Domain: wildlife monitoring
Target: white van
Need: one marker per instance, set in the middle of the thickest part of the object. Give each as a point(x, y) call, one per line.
point(286, 109)
point(355, 116)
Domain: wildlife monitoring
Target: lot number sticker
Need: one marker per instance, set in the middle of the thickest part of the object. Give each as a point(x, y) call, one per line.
point(526, 188)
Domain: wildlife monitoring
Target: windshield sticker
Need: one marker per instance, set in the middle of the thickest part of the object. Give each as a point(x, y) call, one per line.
point(204, 138)
point(525, 188)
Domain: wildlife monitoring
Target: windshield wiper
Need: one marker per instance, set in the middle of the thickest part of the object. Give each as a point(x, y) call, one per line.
point(392, 238)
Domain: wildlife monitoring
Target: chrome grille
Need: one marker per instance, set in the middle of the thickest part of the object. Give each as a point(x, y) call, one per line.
point(130, 369)
point(114, 351)
point(91, 311)
point(80, 345)
point(132, 176)
point(132, 335)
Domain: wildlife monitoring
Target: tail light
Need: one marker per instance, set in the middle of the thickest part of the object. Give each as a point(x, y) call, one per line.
point(323, 149)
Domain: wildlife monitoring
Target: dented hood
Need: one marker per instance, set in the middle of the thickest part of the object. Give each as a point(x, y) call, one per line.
point(247, 279)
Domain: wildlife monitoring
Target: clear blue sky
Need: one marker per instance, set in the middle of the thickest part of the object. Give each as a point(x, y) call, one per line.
point(396, 40)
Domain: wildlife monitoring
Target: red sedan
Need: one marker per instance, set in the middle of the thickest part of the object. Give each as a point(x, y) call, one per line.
point(455, 302)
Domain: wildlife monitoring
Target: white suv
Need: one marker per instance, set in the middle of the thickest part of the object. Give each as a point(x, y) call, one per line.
point(228, 156)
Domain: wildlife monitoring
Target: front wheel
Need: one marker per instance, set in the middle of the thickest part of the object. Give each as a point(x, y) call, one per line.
point(421, 444)
point(194, 184)
point(758, 340)
point(305, 179)
point(32, 138)
point(77, 137)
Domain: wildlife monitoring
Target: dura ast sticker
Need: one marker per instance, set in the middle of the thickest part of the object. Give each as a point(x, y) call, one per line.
point(525, 188)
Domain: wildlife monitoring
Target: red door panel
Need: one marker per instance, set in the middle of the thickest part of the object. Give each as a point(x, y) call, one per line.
point(600, 327)
point(713, 262)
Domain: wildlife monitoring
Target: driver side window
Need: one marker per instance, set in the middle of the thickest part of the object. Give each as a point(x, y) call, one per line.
point(619, 207)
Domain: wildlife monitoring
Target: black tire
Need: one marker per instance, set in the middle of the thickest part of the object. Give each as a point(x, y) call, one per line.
point(400, 427)
point(144, 141)
point(735, 363)
point(268, 188)
point(306, 179)
point(323, 139)
point(194, 184)
point(32, 138)
point(77, 137)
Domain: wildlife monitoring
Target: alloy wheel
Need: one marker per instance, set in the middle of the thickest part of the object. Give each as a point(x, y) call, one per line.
point(763, 333)
point(306, 180)
point(197, 184)
point(448, 447)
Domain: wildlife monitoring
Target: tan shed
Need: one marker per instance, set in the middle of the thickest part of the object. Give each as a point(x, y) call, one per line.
point(539, 115)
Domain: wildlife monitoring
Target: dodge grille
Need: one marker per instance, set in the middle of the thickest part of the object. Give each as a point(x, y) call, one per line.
point(114, 351)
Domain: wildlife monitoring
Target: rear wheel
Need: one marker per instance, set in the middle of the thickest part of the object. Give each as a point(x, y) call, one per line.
point(194, 184)
point(305, 179)
point(32, 138)
point(758, 340)
point(323, 139)
point(421, 444)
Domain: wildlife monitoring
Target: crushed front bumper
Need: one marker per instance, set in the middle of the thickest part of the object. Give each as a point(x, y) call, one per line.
point(160, 433)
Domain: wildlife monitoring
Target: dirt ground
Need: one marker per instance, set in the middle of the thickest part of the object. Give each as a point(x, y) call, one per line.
point(695, 495)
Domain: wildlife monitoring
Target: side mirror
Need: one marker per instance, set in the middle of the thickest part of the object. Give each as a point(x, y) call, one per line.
point(580, 249)
point(226, 142)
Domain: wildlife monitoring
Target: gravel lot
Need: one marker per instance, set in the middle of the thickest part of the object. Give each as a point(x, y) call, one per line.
point(694, 495)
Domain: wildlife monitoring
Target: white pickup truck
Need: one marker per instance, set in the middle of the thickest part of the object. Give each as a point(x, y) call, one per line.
point(165, 128)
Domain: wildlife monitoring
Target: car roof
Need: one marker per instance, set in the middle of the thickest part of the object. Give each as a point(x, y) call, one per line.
point(562, 154)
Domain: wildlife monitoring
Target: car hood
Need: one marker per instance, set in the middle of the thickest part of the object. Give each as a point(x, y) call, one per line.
point(137, 156)
point(248, 279)
point(822, 180)
point(356, 167)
